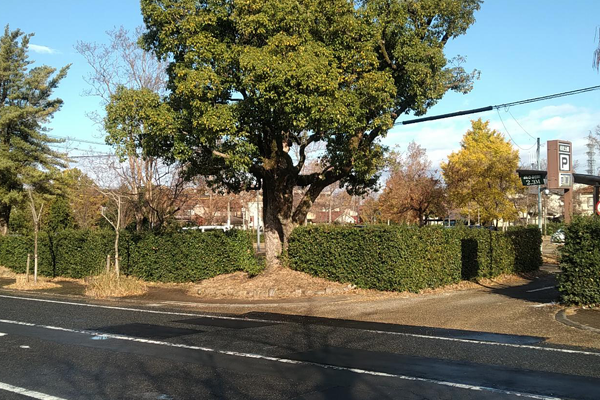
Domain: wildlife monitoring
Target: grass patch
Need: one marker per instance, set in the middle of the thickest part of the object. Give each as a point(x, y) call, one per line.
point(111, 285)
point(23, 283)
point(7, 272)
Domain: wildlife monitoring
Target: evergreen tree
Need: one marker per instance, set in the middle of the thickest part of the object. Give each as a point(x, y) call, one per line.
point(60, 216)
point(25, 107)
point(252, 79)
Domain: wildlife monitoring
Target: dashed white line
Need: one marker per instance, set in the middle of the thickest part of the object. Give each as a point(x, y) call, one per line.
point(2, 334)
point(540, 289)
point(431, 337)
point(520, 346)
point(283, 361)
point(29, 393)
point(552, 303)
point(71, 303)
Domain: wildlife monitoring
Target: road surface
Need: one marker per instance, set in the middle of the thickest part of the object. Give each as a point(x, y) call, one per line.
point(55, 349)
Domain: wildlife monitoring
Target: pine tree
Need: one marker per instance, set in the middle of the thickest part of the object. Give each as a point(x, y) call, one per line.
point(26, 159)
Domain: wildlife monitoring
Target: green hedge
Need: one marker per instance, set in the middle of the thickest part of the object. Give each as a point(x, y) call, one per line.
point(173, 257)
point(80, 253)
point(14, 250)
point(189, 256)
point(526, 248)
point(408, 258)
point(579, 282)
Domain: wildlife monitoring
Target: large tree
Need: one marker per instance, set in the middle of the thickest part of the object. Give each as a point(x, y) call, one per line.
point(482, 175)
point(413, 191)
point(25, 107)
point(250, 79)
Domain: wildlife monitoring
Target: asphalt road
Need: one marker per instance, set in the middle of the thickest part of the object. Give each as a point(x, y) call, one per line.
point(53, 349)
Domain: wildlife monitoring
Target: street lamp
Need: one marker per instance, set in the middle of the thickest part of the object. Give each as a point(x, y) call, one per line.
point(546, 193)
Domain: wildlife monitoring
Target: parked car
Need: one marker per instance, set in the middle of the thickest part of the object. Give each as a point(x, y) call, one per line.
point(488, 227)
point(204, 228)
point(558, 236)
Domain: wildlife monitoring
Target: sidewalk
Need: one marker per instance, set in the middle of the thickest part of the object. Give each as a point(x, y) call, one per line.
point(581, 318)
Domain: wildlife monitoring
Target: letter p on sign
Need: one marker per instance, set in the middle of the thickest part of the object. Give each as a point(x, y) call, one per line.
point(564, 162)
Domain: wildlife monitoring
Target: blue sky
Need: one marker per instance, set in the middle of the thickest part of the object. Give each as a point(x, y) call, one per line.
point(523, 49)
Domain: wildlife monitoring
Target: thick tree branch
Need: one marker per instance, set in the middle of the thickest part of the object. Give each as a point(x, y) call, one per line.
point(385, 54)
point(302, 151)
point(222, 155)
point(321, 181)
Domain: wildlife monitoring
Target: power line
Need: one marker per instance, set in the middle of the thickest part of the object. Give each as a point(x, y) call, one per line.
point(550, 96)
point(508, 133)
point(506, 105)
point(513, 117)
point(95, 156)
point(72, 139)
point(71, 149)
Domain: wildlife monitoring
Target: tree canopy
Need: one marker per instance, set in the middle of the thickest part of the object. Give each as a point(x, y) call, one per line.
point(412, 192)
point(482, 176)
point(250, 79)
point(25, 107)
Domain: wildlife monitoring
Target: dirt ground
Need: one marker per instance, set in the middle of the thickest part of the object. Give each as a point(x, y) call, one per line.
point(285, 283)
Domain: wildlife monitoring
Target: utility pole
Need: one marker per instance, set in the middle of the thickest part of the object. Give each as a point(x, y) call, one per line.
point(539, 188)
point(228, 212)
point(257, 224)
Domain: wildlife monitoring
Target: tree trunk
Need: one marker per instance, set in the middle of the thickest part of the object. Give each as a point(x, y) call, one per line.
point(117, 267)
point(4, 218)
point(35, 253)
point(139, 221)
point(421, 220)
point(277, 220)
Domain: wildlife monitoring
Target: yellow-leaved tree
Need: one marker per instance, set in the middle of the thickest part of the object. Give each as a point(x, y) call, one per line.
point(481, 177)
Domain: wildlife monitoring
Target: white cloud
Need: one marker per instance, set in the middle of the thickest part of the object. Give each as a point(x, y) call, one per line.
point(548, 111)
point(42, 49)
point(564, 121)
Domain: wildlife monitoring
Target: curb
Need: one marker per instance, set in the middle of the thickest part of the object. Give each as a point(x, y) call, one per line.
point(154, 303)
point(561, 317)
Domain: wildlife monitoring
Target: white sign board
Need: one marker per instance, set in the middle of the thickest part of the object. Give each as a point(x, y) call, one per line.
point(564, 148)
point(566, 180)
point(564, 162)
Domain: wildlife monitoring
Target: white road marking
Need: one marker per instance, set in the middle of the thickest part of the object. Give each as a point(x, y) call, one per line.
point(2, 334)
point(431, 337)
point(24, 347)
point(540, 289)
point(552, 303)
point(283, 361)
point(139, 310)
point(521, 346)
point(29, 393)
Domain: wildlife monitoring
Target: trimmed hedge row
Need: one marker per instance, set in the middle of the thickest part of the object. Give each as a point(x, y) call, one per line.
point(176, 257)
point(408, 258)
point(14, 250)
point(579, 282)
point(189, 256)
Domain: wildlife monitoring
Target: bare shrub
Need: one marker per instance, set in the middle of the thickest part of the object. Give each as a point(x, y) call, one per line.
point(112, 285)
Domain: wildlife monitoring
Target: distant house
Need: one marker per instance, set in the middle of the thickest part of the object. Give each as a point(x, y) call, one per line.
point(338, 216)
point(202, 208)
point(584, 200)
